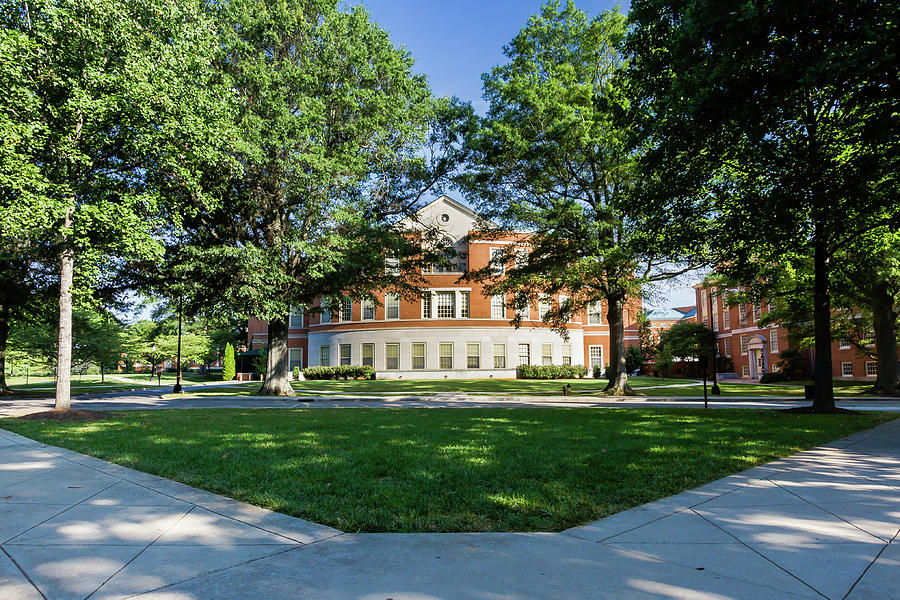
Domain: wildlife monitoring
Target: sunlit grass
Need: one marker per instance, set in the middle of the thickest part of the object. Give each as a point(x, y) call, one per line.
point(446, 469)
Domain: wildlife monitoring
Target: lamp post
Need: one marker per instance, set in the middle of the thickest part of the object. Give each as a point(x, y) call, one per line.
point(715, 391)
point(177, 389)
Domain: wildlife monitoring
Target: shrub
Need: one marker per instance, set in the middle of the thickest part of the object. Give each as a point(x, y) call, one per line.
point(773, 377)
point(634, 359)
point(599, 371)
point(260, 363)
point(229, 368)
point(296, 373)
point(551, 371)
point(339, 372)
point(792, 364)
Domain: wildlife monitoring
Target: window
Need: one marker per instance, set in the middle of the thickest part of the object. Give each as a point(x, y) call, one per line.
point(871, 368)
point(368, 310)
point(546, 354)
point(595, 353)
point(392, 357)
point(497, 265)
point(521, 258)
point(295, 358)
point(757, 312)
point(567, 354)
point(392, 265)
point(325, 356)
point(524, 354)
point(703, 304)
point(844, 344)
point(499, 356)
point(498, 307)
point(715, 319)
point(727, 351)
point(595, 313)
point(368, 355)
point(773, 342)
point(325, 316)
point(742, 313)
point(344, 350)
point(473, 355)
point(726, 317)
point(296, 318)
point(745, 371)
point(346, 310)
point(464, 305)
point(445, 355)
point(418, 356)
point(564, 306)
point(544, 306)
point(446, 305)
point(392, 306)
point(846, 369)
point(426, 305)
point(744, 344)
point(524, 312)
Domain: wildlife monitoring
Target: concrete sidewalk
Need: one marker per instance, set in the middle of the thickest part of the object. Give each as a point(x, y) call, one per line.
point(820, 524)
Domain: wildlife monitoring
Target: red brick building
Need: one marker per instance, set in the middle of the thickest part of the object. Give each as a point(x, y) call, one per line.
point(453, 330)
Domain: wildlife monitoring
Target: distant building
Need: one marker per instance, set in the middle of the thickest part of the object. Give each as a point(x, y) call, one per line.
point(453, 330)
point(662, 319)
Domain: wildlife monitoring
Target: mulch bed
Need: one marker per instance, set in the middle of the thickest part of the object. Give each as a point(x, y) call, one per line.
point(67, 415)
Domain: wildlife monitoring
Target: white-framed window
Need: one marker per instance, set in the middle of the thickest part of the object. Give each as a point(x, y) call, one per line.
point(391, 306)
point(727, 351)
point(871, 368)
point(563, 302)
point(446, 305)
point(368, 355)
point(524, 312)
point(715, 318)
point(473, 355)
point(499, 356)
point(521, 258)
point(344, 353)
point(745, 343)
point(544, 306)
point(497, 265)
point(846, 369)
point(773, 342)
point(745, 371)
point(702, 308)
point(325, 356)
point(296, 318)
point(546, 354)
point(368, 310)
point(844, 344)
point(392, 356)
point(325, 315)
point(426, 305)
point(742, 314)
point(595, 313)
point(595, 354)
point(757, 312)
point(498, 306)
point(464, 305)
point(346, 310)
point(392, 265)
point(524, 354)
point(567, 354)
point(295, 358)
point(445, 355)
point(726, 317)
point(418, 356)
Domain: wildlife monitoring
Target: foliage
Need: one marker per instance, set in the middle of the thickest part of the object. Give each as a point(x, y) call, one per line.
point(339, 372)
point(634, 359)
point(664, 360)
point(686, 339)
point(773, 377)
point(296, 374)
point(551, 371)
point(229, 368)
point(259, 363)
point(792, 364)
point(524, 480)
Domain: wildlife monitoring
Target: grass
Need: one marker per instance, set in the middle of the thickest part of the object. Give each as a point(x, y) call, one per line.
point(446, 469)
point(44, 385)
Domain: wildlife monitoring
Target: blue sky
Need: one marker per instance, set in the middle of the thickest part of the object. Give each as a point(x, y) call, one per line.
point(454, 42)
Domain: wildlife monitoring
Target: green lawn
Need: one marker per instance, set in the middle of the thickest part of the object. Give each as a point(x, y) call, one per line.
point(44, 386)
point(446, 469)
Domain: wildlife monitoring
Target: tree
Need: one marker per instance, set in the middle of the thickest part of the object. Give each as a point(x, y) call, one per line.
point(664, 360)
point(120, 96)
point(686, 340)
point(228, 367)
point(97, 339)
point(554, 159)
point(634, 359)
point(779, 129)
point(331, 120)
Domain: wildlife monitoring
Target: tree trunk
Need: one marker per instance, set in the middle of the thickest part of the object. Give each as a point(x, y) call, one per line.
point(64, 350)
point(4, 337)
point(618, 376)
point(277, 381)
point(885, 323)
point(823, 376)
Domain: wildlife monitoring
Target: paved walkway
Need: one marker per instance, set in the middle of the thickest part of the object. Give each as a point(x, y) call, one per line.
point(820, 524)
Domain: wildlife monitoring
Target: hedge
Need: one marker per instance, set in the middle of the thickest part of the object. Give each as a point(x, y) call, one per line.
point(551, 371)
point(339, 372)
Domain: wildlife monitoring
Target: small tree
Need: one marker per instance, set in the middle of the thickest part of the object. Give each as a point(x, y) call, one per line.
point(229, 369)
point(664, 360)
point(634, 359)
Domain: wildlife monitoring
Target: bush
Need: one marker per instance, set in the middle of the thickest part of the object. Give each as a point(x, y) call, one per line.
point(599, 371)
point(773, 377)
point(339, 372)
point(551, 371)
point(792, 364)
point(296, 373)
point(229, 368)
point(634, 359)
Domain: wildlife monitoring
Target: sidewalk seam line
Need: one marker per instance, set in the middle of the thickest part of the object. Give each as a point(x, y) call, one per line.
point(22, 571)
